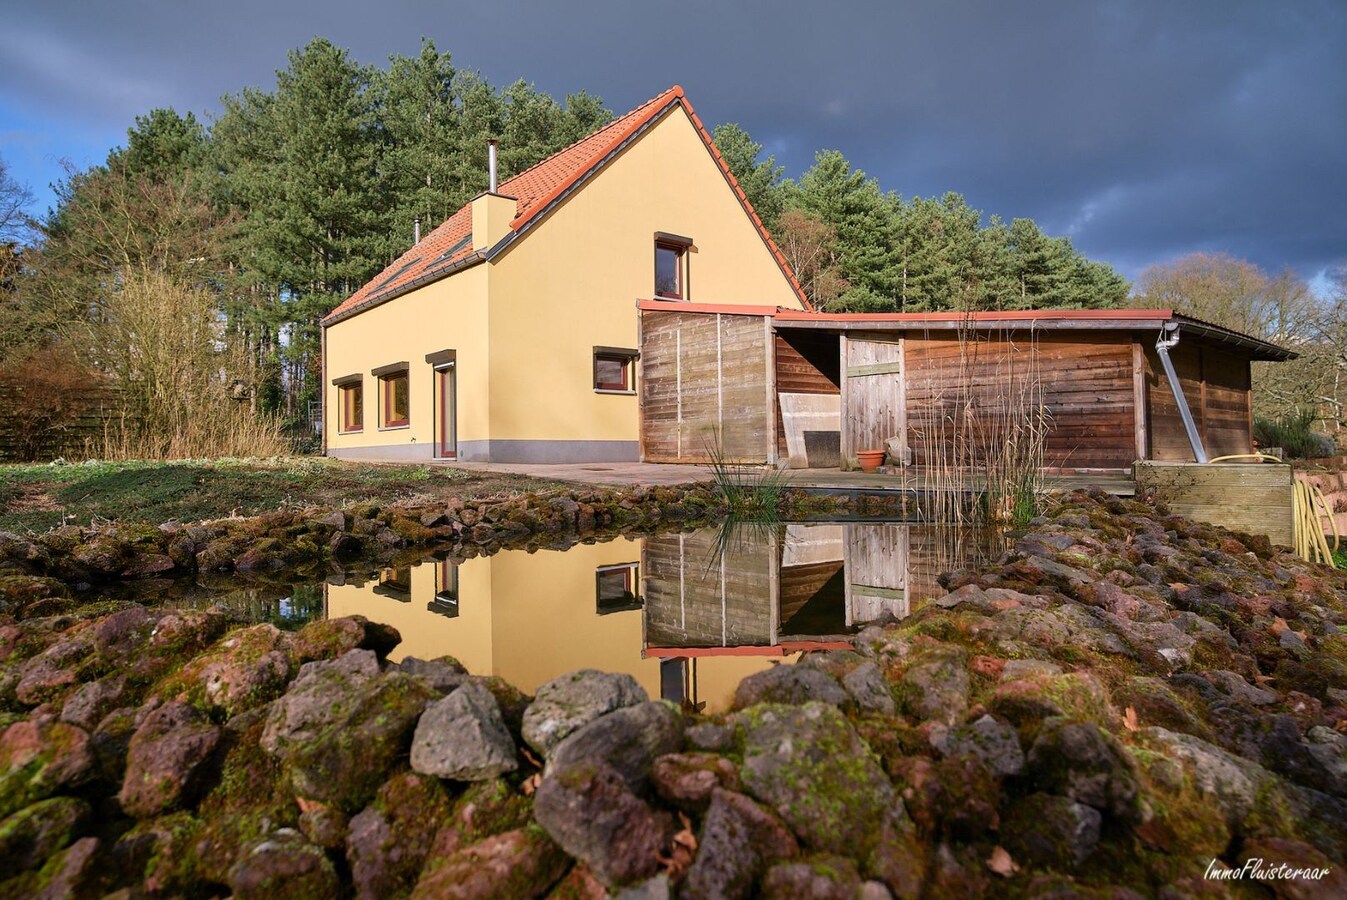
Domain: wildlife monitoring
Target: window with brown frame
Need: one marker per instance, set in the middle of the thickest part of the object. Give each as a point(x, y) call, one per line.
point(352, 406)
point(445, 601)
point(395, 583)
point(614, 370)
point(615, 588)
point(669, 269)
point(395, 401)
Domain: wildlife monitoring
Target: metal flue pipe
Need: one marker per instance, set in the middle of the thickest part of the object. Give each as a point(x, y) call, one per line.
point(491, 146)
point(1168, 340)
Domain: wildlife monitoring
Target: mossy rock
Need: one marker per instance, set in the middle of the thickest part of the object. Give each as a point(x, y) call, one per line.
point(18, 593)
point(1183, 820)
point(1156, 703)
point(250, 799)
point(350, 755)
point(808, 764)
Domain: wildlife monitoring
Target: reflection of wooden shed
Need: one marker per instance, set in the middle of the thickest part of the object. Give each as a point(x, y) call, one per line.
point(795, 387)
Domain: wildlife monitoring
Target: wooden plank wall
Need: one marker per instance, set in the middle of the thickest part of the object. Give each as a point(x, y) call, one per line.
point(807, 362)
point(1216, 384)
point(1084, 382)
point(872, 397)
point(1256, 498)
point(694, 599)
point(704, 375)
point(876, 559)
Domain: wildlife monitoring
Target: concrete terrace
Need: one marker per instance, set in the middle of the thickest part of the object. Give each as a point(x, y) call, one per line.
point(823, 480)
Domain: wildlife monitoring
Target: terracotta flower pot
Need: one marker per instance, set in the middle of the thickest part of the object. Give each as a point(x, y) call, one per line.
point(870, 460)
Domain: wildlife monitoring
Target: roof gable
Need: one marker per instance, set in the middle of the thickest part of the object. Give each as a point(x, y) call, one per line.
point(537, 190)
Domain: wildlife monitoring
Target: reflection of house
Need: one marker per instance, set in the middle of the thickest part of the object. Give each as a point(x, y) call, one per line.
point(780, 590)
point(529, 617)
point(510, 332)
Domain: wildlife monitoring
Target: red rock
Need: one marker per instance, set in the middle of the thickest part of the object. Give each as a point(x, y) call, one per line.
point(1280, 851)
point(988, 666)
point(40, 758)
point(280, 869)
point(580, 884)
point(739, 840)
point(167, 759)
point(522, 863)
point(687, 779)
point(1306, 710)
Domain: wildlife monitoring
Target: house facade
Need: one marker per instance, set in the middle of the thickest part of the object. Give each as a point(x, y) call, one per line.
point(511, 332)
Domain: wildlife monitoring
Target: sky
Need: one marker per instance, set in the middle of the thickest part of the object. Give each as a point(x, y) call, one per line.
point(1142, 130)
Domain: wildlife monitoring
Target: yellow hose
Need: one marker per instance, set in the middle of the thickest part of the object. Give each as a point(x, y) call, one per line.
point(1310, 542)
point(1246, 456)
point(1332, 519)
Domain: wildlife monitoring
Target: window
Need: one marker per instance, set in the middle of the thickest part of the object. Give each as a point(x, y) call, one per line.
point(394, 404)
point(395, 583)
point(352, 407)
point(615, 588)
point(446, 590)
point(669, 270)
point(613, 370)
point(350, 403)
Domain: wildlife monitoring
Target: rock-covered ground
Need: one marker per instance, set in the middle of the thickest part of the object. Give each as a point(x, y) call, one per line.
point(1120, 705)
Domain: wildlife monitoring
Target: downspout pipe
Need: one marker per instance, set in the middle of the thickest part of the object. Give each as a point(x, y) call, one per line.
point(1168, 340)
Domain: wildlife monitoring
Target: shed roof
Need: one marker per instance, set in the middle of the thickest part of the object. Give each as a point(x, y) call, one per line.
point(536, 191)
point(1036, 319)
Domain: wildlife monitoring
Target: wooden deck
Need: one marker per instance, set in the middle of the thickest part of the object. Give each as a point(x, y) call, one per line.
point(820, 480)
point(914, 481)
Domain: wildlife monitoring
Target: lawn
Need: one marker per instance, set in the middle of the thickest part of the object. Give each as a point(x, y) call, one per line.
point(35, 498)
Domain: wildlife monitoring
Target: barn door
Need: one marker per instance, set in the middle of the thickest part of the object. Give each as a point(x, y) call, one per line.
point(872, 394)
point(875, 560)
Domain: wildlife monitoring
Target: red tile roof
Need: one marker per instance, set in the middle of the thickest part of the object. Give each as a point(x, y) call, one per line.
point(1099, 319)
point(445, 250)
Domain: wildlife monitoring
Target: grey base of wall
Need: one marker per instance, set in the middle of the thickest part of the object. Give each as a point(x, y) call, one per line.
point(504, 452)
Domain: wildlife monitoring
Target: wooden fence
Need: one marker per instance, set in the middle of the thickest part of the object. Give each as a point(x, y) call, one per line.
point(25, 437)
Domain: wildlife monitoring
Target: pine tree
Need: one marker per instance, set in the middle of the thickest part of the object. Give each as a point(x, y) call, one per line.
point(760, 181)
point(849, 202)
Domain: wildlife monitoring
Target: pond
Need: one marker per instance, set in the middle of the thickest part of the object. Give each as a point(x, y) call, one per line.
point(687, 614)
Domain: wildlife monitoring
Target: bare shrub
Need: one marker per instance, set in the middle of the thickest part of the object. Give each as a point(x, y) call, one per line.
point(185, 387)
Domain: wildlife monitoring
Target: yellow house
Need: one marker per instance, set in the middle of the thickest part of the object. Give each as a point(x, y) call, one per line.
point(511, 332)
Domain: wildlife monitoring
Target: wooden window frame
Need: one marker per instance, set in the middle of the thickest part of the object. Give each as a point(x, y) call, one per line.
point(395, 583)
point(626, 357)
point(388, 376)
point(679, 246)
point(347, 387)
point(631, 583)
point(445, 601)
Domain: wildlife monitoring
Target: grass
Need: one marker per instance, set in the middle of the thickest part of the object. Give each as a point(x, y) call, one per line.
point(984, 431)
point(749, 493)
point(36, 498)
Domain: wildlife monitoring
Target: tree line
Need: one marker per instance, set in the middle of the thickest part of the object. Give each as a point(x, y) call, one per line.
point(857, 248)
point(190, 269)
point(289, 201)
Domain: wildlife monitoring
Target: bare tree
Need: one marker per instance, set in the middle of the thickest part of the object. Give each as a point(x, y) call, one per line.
point(16, 227)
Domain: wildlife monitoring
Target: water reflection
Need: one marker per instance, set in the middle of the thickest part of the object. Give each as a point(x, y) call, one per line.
point(688, 615)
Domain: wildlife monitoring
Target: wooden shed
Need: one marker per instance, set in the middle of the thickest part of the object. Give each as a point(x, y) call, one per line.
point(803, 389)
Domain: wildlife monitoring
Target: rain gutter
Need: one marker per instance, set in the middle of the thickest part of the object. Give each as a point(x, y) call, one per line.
point(1168, 340)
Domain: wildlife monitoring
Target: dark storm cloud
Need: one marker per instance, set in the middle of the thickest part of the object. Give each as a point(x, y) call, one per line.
point(1143, 130)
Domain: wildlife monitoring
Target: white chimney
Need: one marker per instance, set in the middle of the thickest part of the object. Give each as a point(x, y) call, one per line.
point(491, 162)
